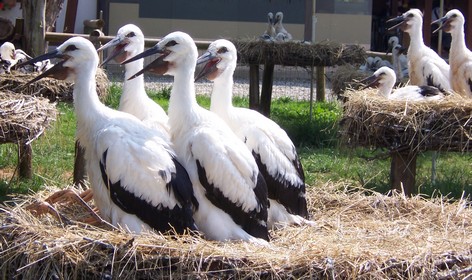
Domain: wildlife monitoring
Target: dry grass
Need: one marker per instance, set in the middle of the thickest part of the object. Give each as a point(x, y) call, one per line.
point(359, 235)
point(23, 118)
point(372, 121)
point(52, 89)
point(294, 53)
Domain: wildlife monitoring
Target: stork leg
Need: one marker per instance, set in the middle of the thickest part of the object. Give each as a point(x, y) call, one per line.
point(42, 207)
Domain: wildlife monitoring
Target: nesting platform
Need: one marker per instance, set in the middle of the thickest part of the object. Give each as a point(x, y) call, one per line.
point(407, 128)
point(292, 53)
point(359, 235)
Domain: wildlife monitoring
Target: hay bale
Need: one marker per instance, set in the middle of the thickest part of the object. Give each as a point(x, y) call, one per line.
point(23, 118)
point(54, 90)
point(293, 53)
point(360, 235)
point(372, 121)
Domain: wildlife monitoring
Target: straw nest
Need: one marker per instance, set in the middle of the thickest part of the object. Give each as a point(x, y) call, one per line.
point(359, 235)
point(372, 121)
point(293, 53)
point(344, 77)
point(54, 90)
point(24, 118)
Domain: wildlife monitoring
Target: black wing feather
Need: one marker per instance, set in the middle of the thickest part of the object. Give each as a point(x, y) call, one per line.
point(157, 217)
point(253, 222)
point(289, 195)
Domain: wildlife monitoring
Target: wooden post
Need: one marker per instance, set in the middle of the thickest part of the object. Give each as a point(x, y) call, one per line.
point(320, 84)
point(34, 26)
point(403, 172)
point(24, 160)
point(266, 91)
point(254, 101)
point(80, 173)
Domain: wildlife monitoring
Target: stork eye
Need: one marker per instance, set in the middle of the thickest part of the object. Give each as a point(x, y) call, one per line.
point(454, 15)
point(71, 48)
point(223, 50)
point(411, 15)
point(171, 43)
point(131, 34)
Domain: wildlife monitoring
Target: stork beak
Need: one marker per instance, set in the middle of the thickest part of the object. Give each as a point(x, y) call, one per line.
point(58, 71)
point(158, 66)
point(371, 81)
point(400, 20)
point(211, 61)
point(117, 51)
point(441, 22)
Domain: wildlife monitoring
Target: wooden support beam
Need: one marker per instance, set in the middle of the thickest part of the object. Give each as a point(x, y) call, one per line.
point(266, 91)
point(71, 15)
point(403, 172)
point(35, 26)
point(320, 84)
point(25, 155)
point(254, 101)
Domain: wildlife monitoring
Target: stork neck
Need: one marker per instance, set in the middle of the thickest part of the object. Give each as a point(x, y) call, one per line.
point(182, 99)
point(86, 101)
point(457, 42)
point(386, 88)
point(133, 89)
point(416, 38)
point(222, 93)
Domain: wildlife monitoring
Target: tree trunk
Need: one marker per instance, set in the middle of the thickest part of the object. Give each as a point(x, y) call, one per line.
point(53, 8)
point(34, 26)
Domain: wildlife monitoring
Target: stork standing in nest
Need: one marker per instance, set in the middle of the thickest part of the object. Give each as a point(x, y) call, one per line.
point(270, 145)
point(425, 66)
point(460, 57)
point(137, 181)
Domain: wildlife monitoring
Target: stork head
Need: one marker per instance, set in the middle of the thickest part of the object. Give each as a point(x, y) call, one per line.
point(279, 16)
point(75, 54)
point(7, 51)
point(392, 42)
point(450, 21)
point(398, 50)
point(383, 77)
point(407, 20)
point(270, 18)
point(129, 41)
point(176, 51)
point(221, 56)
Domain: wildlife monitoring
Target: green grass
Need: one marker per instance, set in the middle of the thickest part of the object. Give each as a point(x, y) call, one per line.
point(316, 139)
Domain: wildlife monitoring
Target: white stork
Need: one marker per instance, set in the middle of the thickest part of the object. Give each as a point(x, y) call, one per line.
point(384, 78)
point(136, 179)
point(460, 57)
point(11, 57)
point(270, 145)
point(231, 191)
point(281, 34)
point(425, 66)
point(128, 42)
point(400, 61)
point(269, 33)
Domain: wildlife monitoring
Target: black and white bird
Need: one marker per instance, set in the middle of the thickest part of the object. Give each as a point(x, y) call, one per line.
point(10, 58)
point(281, 34)
point(128, 42)
point(400, 61)
point(270, 145)
point(460, 57)
point(384, 79)
point(425, 66)
point(137, 181)
point(269, 33)
point(231, 191)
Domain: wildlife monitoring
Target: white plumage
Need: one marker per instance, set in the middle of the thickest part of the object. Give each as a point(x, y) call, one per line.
point(269, 33)
point(460, 57)
point(281, 34)
point(11, 57)
point(384, 78)
point(136, 179)
point(273, 150)
point(128, 42)
point(400, 61)
point(425, 66)
point(231, 192)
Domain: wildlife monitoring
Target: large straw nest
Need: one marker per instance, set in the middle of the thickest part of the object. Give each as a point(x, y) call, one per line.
point(54, 90)
point(357, 236)
point(372, 121)
point(23, 118)
point(293, 53)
